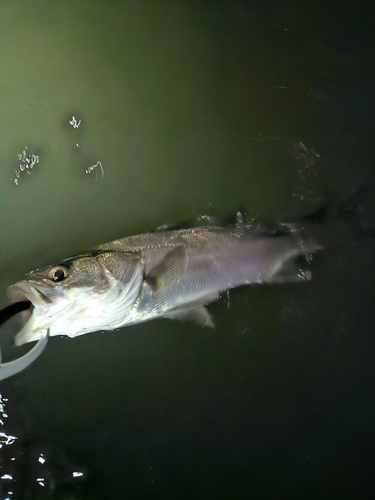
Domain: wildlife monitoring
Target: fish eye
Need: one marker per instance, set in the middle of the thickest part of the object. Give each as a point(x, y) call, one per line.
point(58, 273)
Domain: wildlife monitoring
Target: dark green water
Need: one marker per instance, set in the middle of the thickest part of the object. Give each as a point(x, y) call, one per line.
point(192, 108)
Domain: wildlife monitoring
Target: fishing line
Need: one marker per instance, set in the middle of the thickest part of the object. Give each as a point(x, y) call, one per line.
point(13, 367)
point(10, 311)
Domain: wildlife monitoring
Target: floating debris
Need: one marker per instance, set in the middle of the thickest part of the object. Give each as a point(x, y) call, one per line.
point(27, 162)
point(74, 123)
point(95, 167)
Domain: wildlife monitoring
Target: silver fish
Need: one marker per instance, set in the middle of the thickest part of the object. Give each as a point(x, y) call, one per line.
point(165, 274)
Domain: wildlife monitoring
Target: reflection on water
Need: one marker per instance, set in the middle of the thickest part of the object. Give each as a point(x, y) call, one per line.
point(29, 474)
point(10, 470)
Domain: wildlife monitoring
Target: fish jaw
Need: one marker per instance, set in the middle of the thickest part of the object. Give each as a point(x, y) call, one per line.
point(46, 304)
point(73, 312)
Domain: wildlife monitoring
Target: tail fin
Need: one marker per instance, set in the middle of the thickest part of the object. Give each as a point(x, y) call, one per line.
point(332, 212)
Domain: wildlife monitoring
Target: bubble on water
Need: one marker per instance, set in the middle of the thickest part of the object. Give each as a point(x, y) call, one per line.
point(95, 167)
point(26, 162)
point(208, 218)
point(74, 123)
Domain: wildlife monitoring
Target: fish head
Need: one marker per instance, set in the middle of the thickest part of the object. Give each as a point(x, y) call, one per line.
point(77, 296)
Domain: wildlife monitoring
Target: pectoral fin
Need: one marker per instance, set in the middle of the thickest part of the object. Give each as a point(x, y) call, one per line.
point(169, 270)
point(199, 315)
point(123, 266)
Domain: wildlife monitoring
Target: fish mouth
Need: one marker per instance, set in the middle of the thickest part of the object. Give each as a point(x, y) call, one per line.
point(35, 319)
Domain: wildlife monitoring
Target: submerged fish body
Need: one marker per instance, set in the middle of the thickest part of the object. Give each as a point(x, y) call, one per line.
point(172, 274)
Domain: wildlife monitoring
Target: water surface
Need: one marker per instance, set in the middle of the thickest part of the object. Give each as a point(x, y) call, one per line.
point(191, 108)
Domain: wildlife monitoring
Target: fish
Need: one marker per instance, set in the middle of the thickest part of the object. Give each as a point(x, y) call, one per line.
point(171, 274)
